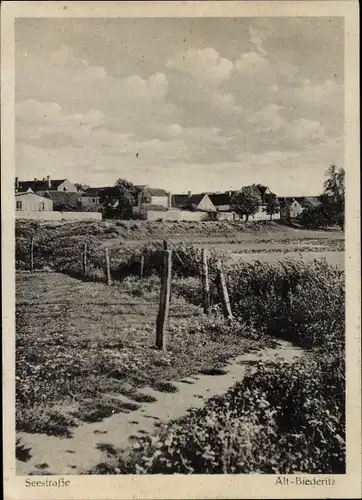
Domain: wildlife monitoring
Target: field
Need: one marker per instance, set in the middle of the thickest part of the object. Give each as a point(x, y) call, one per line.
point(87, 369)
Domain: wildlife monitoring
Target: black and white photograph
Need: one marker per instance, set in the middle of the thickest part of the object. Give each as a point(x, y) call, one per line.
point(179, 195)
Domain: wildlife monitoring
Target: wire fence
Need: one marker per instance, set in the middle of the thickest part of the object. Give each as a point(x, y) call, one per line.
point(87, 259)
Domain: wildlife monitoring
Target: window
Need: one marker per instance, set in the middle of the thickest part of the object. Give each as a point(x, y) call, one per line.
point(94, 200)
point(41, 205)
point(19, 205)
point(65, 188)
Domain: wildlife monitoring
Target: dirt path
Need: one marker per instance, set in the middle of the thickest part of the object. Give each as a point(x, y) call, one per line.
point(78, 454)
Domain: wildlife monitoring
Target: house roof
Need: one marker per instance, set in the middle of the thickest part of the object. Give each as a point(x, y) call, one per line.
point(220, 199)
point(156, 191)
point(184, 200)
point(39, 185)
point(187, 201)
point(290, 199)
point(28, 193)
point(94, 192)
point(63, 198)
point(312, 200)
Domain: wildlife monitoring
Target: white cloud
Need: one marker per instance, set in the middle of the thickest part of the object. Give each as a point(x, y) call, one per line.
point(319, 93)
point(306, 130)
point(251, 63)
point(204, 64)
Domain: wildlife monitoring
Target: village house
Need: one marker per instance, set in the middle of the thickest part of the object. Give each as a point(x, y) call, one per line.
point(40, 186)
point(291, 206)
point(153, 196)
point(146, 198)
point(32, 202)
point(223, 204)
point(90, 199)
point(194, 202)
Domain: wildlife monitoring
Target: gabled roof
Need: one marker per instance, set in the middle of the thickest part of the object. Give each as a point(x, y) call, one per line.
point(312, 200)
point(64, 198)
point(220, 199)
point(290, 199)
point(28, 193)
point(156, 191)
point(180, 200)
point(39, 185)
point(188, 201)
point(94, 192)
point(184, 200)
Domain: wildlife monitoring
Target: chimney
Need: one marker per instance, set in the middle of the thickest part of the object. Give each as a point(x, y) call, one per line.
point(189, 194)
point(35, 179)
point(17, 182)
point(49, 182)
point(169, 200)
point(230, 194)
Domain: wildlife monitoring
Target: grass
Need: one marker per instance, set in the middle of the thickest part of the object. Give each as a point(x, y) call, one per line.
point(281, 418)
point(79, 343)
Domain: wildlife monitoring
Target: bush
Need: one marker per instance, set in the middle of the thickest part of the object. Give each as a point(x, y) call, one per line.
point(283, 419)
point(299, 301)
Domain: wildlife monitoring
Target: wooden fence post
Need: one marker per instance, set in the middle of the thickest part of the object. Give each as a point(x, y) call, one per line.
point(205, 282)
point(32, 253)
point(85, 260)
point(108, 270)
point(164, 300)
point(142, 265)
point(223, 290)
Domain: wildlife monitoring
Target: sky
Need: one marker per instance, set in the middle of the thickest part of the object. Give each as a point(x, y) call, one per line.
point(187, 104)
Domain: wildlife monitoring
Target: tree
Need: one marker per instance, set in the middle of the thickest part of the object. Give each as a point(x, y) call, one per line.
point(333, 198)
point(246, 201)
point(272, 206)
point(81, 187)
point(119, 199)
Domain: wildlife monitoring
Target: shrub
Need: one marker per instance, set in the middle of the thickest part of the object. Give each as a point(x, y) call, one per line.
point(282, 419)
point(302, 302)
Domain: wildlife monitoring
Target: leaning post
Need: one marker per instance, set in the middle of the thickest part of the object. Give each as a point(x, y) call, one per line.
point(108, 269)
point(205, 282)
point(223, 291)
point(164, 300)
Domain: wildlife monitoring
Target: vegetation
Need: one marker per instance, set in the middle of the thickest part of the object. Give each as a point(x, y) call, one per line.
point(83, 346)
point(271, 205)
point(330, 211)
point(119, 199)
point(246, 201)
point(282, 418)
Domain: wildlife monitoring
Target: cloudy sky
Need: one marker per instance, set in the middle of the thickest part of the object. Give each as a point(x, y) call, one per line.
point(207, 103)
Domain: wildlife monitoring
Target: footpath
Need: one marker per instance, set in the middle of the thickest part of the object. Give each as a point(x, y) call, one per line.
point(90, 441)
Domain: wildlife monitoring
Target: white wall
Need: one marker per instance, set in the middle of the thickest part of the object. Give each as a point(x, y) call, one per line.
point(34, 215)
point(263, 216)
point(176, 215)
point(206, 204)
point(81, 216)
point(68, 216)
point(159, 200)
